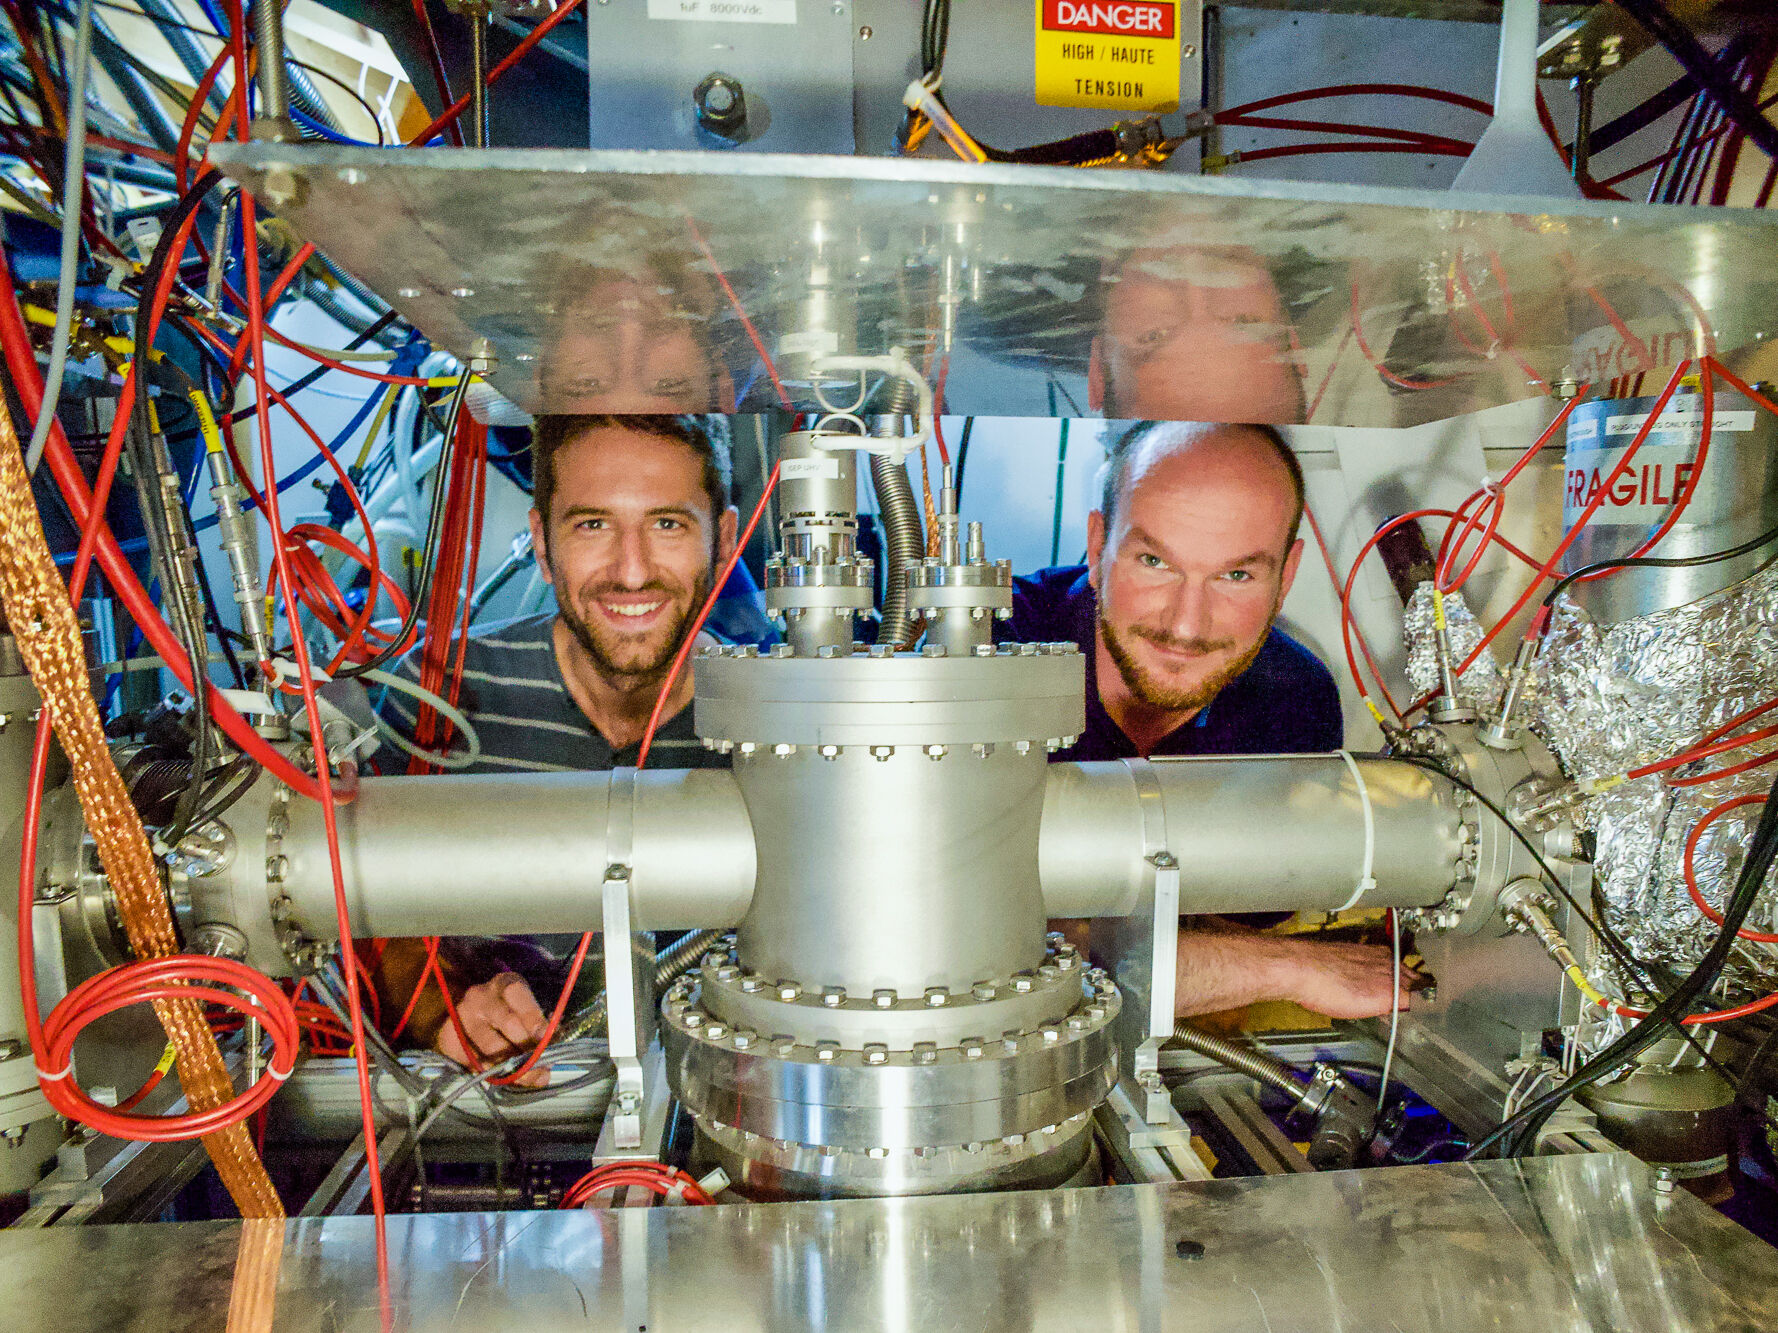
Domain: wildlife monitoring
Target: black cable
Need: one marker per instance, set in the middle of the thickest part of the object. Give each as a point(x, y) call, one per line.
point(1658, 562)
point(1614, 943)
point(963, 454)
point(1696, 61)
point(139, 434)
point(1518, 1135)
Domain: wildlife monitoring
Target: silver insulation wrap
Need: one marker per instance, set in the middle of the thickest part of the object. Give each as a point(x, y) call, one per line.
point(1611, 698)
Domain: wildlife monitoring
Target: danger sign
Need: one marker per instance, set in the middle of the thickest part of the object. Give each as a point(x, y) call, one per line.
point(1117, 54)
point(1121, 18)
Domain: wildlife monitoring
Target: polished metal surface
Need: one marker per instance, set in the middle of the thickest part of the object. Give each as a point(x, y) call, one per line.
point(1552, 1245)
point(980, 1090)
point(410, 869)
point(1252, 833)
point(1019, 695)
point(1198, 298)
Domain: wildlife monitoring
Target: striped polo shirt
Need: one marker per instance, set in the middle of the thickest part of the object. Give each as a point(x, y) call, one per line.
point(527, 721)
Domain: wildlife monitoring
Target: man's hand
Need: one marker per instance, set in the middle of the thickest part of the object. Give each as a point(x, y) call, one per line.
point(1225, 970)
point(1343, 980)
point(501, 1018)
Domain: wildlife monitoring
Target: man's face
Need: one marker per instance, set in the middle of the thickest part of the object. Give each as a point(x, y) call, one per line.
point(1195, 336)
point(622, 349)
point(1195, 566)
point(630, 545)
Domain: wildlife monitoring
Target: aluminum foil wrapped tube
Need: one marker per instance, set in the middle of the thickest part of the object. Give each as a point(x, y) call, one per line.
point(1609, 698)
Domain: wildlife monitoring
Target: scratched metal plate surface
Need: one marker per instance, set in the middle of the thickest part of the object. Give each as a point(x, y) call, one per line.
point(1555, 1245)
point(1140, 294)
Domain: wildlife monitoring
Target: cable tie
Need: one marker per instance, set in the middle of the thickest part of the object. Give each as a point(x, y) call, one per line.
point(1366, 880)
point(273, 1071)
point(48, 1077)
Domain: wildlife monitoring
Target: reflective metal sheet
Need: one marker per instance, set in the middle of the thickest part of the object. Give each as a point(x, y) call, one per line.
point(599, 279)
point(1555, 1245)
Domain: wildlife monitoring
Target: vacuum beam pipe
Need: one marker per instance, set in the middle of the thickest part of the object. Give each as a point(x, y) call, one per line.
point(520, 854)
point(1251, 834)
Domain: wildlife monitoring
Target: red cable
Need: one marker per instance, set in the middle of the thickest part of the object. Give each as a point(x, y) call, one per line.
point(1708, 393)
point(1363, 90)
point(435, 62)
point(163, 979)
point(1364, 647)
point(1703, 752)
point(1342, 127)
point(1376, 362)
point(1579, 524)
point(654, 722)
point(1313, 149)
point(87, 508)
point(1691, 847)
point(735, 304)
point(342, 914)
point(518, 53)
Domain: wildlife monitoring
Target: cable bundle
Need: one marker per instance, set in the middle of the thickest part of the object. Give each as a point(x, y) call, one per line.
point(656, 1177)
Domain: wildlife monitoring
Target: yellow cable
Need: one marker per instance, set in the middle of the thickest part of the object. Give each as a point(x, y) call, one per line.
point(376, 428)
point(206, 421)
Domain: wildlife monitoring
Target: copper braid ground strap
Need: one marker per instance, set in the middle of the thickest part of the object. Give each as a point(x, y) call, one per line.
point(43, 622)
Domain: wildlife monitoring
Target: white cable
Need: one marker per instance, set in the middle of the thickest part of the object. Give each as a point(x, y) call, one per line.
point(1366, 879)
point(404, 686)
point(1394, 1005)
point(73, 183)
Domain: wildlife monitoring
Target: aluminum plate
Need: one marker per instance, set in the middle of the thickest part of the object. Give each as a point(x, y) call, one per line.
point(1132, 293)
point(1555, 1245)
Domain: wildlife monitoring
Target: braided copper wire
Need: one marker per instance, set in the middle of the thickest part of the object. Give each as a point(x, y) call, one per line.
point(43, 622)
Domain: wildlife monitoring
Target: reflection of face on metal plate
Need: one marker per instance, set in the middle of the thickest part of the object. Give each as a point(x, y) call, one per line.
point(1204, 296)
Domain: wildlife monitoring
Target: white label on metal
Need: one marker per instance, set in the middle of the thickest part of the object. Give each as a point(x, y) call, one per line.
point(807, 469)
point(811, 342)
point(724, 11)
point(1686, 418)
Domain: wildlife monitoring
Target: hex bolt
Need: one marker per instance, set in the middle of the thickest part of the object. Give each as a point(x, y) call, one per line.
point(826, 1050)
point(925, 1052)
point(727, 972)
point(789, 990)
point(743, 1038)
point(984, 990)
point(1663, 1180)
point(881, 753)
point(752, 984)
point(783, 1043)
point(1050, 1032)
point(875, 1053)
point(1076, 1023)
point(694, 1019)
point(1010, 1040)
point(830, 752)
point(972, 1048)
point(1048, 971)
point(716, 1031)
point(937, 996)
point(882, 998)
point(935, 752)
point(833, 996)
point(1024, 983)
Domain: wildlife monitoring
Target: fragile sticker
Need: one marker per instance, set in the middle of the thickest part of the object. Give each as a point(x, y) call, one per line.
point(1120, 55)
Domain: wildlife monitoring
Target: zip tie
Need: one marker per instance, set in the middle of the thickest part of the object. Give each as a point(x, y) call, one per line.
point(1366, 881)
point(273, 1071)
point(52, 1078)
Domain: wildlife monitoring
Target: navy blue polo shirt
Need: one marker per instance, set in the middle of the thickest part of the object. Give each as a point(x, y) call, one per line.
point(1284, 703)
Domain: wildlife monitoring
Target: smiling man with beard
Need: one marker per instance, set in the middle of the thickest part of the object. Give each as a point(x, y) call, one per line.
point(630, 521)
point(1189, 556)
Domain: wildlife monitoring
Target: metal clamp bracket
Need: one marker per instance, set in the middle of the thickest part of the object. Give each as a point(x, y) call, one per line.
point(629, 1006)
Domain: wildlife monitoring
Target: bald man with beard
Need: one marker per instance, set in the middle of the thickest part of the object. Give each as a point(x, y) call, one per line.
point(1189, 557)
